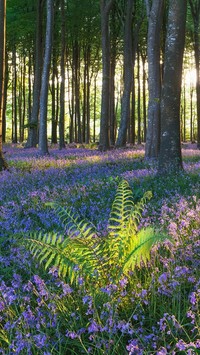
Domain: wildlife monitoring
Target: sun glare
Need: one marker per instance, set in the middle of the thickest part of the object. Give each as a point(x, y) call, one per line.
point(190, 77)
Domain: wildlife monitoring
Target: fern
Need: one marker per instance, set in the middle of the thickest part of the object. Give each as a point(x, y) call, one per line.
point(97, 258)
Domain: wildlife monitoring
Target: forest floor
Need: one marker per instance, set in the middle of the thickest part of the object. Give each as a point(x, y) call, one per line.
point(151, 310)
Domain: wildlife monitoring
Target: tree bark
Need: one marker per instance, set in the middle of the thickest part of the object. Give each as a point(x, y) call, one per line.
point(128, 69)
point(43, 145)
point(105, 6)
point(62, 85)
point(14, 97)
point(195, 9)
point(155, 15)
point(3, 164)
point(32, 140)
point(170, 159)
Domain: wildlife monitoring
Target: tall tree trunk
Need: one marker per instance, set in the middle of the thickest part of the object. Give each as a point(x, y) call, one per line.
point(191, 114)
point(84, 112)
point(14, 97)
point(112, 95)
point(30, 60)
point(95, 108)
point(88, 95)
point(170, 158)
point(132, 117)
point(43, 145)
point(53, 104)
point(144, 95)
point(184, 113)
point(76, 64)
point(138, 98)
point(32, 140)
point(62, 85)
point(128, 68)
point(5, 100)
point(105, 6)
point(3, 164)
point(23, 96)
point(155, 15)
point(195, 9)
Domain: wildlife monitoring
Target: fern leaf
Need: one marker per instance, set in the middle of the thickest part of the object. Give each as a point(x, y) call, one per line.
point(140, 247)
point(73, 225)
point(121, 208)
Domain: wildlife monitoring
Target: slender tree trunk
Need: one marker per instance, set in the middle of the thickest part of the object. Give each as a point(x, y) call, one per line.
point(132, 118)
point(14, 98)
point(71, 107)
point(88, 94)
point(128, 68)
point(94, 105)
point(170, 158)
point(3, 164)
point(29, 89)
point(138, 98)
point(195, 9)
point(19, 101)
point(191, 114)
point(144, 95)
point(5, 100)
point(23, 96)
point(184, 114)
point(62, 85)
point(53, 104)
point(112, 95)
point(155, 15)
point(76, 62)
point(43, 145)
point(104, 142)
point(84, 115)
point(32, 140)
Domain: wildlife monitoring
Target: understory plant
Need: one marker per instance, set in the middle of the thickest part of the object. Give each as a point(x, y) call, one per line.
point(81, 252)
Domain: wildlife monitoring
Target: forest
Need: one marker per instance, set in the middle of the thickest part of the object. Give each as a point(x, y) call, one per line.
point(99, 177)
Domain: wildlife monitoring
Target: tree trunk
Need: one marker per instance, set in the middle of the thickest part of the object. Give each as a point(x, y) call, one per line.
point(14, 98)
point(43, 145)
point(144, 96)
point(3, 164)
point(62, 85)
point(32, 140)
point(195, 9)
point(76, 65)
point(155, 15)
point(53, 104)
point(88, 94)
point(191, 115)
point(105, 6)
point(132, 118)
point(95, 108)
point(138, 98)
point(112, 95)
point(128, 69)
point(170, 159)
point(5, 100)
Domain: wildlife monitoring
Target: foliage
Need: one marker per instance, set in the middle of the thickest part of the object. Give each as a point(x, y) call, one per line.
point(79, 251)
point(152, 310)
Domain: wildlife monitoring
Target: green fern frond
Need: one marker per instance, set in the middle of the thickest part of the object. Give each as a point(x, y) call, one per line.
point(64, 253)
point(72, 223)
point(80, 246)
point(122, 205)
point(140, 247)
point(136, 213)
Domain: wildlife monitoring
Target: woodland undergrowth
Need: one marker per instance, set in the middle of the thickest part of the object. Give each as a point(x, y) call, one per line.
point(98, 255)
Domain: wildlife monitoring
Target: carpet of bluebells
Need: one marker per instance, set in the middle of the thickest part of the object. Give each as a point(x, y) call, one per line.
point(153, 310)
